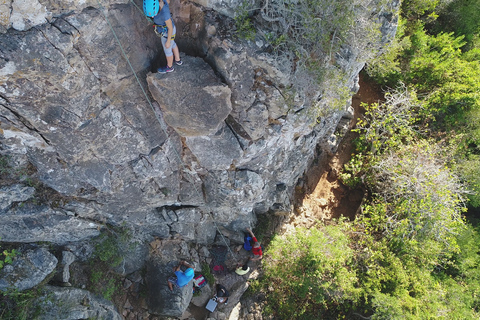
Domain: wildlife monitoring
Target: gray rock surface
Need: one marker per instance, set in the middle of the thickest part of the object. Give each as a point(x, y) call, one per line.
point(27, 270)
point(223, 140)
point(60, 303)
point(162, 301)
point(197, 111)
point(41, 223)
point(14, 193)
point(218, 151)
point(63, 268)
point(135, 254)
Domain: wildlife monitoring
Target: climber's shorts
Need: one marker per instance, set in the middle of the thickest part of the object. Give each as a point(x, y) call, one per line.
point(168, 51)
point(173, 280)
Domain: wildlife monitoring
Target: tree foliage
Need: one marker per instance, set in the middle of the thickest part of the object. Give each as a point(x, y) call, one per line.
point(407, 256)
point(410, 254)
point(445, 72)
point(424, 197)
point(461, 17)
point(309, 271)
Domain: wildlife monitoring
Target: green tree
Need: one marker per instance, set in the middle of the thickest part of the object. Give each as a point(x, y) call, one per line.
point(461, 17)
point(468, 169)
point(425, 197)
point(309, 271)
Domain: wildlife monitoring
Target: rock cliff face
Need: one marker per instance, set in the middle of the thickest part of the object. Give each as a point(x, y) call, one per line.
point(162, 154)
point(224, 141)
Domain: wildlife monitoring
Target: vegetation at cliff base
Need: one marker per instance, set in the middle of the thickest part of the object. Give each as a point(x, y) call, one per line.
point(440, 60)
point(310, 271)
point(412, 253)
point(19, 305)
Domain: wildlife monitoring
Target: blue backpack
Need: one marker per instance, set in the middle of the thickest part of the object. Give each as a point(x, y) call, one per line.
point(248, 243)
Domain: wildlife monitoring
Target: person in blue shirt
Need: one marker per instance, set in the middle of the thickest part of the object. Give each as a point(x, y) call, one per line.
point(165, 28)
point(181, 278)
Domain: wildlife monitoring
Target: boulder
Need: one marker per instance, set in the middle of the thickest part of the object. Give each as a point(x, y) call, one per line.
point(201, 298)
point(162, 301)
point(41, 223)
point(27, 270)
point(135, 254)
point(198, 111)
point(59, 303)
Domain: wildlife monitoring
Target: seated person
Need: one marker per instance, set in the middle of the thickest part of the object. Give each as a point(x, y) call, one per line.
point(181, 278)
point(222, 294)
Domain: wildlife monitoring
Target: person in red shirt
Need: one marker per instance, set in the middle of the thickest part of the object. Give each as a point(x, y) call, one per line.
point(256, 248)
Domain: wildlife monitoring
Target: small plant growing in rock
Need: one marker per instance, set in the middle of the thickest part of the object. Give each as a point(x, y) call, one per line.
point(243, 23)
point(4, 165)
point(108, 254)
point(6, 257)
point(207, 273)
point(110, 245)
point(111, 288)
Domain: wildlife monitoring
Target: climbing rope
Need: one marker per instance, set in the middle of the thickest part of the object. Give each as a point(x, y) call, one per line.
point(219, 255)
point(141, 11)
point(160, 122)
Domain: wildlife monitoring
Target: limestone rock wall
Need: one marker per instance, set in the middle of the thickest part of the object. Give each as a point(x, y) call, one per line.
point(163, 154)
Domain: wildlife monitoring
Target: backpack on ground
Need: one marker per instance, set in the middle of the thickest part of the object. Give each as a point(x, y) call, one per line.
point(199, 282)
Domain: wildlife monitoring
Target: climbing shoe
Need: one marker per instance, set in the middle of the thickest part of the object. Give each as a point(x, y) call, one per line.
point(179, 62)
point(165, 69)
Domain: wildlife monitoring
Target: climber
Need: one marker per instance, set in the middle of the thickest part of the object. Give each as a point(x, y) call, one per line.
point(222, 294)
point(251, 243)
point(181, 278)
point(165, 29)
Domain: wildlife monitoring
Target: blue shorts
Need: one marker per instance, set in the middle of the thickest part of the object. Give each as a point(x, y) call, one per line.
point(168, 51)
point(173, 280)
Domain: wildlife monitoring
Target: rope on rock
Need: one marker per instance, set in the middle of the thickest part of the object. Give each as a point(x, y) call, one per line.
point(141, 11)
point(182, 164)
point(219, 254)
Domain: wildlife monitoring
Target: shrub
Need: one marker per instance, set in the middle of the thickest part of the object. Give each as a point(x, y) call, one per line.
point(16, 305)
point(6, 257)
point(424, 197)
point(207, 273)
point(4, 165)
point(108, 254)
point(243, 23)
point(111, 244)
point(308, 271)
point(469, 169)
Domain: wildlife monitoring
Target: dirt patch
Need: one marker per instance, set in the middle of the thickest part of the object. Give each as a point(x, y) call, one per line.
point(322, 196)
